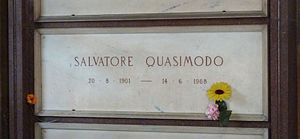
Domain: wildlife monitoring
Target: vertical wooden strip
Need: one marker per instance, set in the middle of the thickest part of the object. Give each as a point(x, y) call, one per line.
point(20, 68)
point(288, 72)
point(15, 70)
point(298, 68)
point(283, 47)
point(28, 77)
point(3, 71)
point(273, 70)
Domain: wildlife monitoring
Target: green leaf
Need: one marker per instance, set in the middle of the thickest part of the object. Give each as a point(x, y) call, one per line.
point(224, 117)
point(222, 105)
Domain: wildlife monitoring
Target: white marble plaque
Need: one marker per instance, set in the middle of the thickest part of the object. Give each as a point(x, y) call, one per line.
point(154, 72)
point(126, 9)
point(98, 131)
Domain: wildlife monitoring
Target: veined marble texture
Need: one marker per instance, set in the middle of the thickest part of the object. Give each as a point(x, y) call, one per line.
point(96, 131)
point(150, 71)
point(133, 7)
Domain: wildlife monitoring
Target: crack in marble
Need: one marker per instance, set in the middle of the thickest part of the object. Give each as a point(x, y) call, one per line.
point(215, 3)
point(176, 6)
point(158, 108)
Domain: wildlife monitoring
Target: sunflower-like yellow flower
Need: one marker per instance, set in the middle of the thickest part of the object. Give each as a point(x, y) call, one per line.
point(219, 91)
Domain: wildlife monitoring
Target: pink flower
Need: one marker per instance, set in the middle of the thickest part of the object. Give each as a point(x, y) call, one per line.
point(213, 112)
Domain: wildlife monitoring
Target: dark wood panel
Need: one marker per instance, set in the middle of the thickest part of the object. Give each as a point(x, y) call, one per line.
point(283, 103)
point(287, 95)
point(298, 74)
point(273, 69)
point(3, 71)
point(282, 68)
point(145, 23)
point(21, 79)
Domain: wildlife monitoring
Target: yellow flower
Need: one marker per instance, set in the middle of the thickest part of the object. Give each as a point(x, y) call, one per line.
point(219, 91)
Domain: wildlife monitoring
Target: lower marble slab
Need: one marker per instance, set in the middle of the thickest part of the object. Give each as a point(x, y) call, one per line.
point(99, 131)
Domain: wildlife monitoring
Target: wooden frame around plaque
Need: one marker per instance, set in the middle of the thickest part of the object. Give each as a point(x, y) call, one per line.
point(282, 57)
